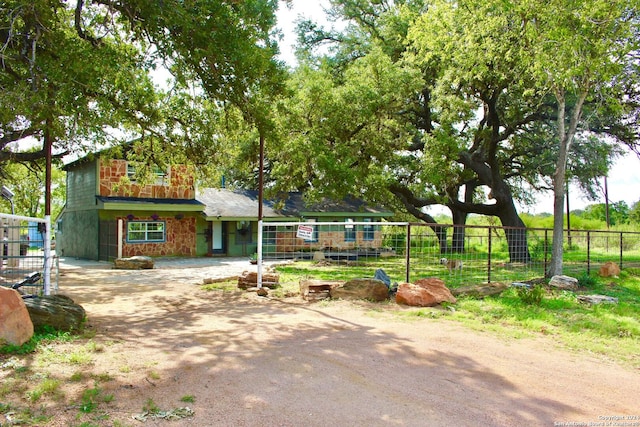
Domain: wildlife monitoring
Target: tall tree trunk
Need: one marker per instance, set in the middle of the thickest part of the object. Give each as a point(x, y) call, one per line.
point(565, 137)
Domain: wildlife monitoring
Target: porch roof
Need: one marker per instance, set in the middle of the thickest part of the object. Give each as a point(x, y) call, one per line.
point(149, 204)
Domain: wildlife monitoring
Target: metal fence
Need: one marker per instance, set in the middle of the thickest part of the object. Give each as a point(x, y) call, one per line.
point(26, 251)
point(460, 255)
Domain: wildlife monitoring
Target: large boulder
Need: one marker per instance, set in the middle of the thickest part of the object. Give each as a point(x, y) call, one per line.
point(565, 283)
point(369, 289)
point(15, 323)
point(424, 293)
point(58, 311)
point(137, 262)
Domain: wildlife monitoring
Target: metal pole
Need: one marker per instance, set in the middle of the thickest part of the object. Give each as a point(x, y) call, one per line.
point(489, 256)
point(260, 198)
point(408, 252)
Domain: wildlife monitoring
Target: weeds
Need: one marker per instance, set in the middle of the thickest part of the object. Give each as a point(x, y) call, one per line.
point(531, 296)
point(48, 386)
point(151, 407)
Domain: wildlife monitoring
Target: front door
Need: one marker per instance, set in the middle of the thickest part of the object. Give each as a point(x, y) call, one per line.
point(218, 238)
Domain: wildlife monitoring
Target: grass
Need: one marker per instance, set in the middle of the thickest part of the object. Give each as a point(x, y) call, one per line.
point(611, 330)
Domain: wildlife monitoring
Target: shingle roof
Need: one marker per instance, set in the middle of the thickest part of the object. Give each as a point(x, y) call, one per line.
point(224, 203)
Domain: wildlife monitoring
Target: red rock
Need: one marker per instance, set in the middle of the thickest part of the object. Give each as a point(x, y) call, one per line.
point(609, 269)
point(15, 323)
point(424, 293)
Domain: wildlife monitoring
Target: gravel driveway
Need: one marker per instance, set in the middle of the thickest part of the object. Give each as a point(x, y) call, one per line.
point(253, 361)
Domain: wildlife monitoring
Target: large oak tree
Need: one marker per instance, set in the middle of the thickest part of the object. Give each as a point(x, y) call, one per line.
point(471, 129)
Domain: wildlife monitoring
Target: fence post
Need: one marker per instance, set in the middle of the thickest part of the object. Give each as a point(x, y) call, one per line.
point(588, 253)
point(48, 261)
point(546, 251)
point(621, 237)
point(408, 252)
point(489, 255)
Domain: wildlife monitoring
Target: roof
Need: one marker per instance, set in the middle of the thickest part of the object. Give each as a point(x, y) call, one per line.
point(143, 203)
point(230, 204)
point(116, 152)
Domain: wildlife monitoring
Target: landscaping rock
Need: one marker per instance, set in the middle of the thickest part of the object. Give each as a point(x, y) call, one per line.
point(15, 323)
point(369, 289)
point(134, 263)
point(318, 256)
point(565, 283)
point(315, 290)
point(58, 311)
point(609, 269)
point(381, 275)
point(249, 279)
point(597, 299)
point(424, 293)
point(480, 291)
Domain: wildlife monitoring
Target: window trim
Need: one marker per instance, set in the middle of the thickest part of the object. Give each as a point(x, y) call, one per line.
point(146, 232)
point(350, 234)
point(368, 230)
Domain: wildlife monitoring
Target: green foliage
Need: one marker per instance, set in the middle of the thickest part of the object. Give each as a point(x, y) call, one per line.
point(531, 296)
point(618, 213)
point(586, 280)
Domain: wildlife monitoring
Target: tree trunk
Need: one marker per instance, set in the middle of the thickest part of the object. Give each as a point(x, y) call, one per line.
point(516, 234)
point(565, 137)
point(459, 221)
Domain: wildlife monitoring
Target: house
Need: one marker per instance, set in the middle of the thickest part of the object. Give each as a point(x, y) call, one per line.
point(233, 215)
point(109, 215)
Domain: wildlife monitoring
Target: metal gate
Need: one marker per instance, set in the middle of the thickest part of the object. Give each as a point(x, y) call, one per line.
point(26, 251)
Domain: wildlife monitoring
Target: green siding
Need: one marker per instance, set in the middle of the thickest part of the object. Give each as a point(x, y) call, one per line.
point(73, 225)
point(82, 187)
point(203, 236)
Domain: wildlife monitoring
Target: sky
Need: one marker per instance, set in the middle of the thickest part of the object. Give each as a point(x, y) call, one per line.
point(623, 182)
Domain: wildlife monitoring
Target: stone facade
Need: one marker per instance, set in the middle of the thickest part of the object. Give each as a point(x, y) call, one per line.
point(180, 241)
point(114, 183)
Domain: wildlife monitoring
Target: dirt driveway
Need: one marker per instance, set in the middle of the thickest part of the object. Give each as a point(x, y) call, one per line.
point(253, 361)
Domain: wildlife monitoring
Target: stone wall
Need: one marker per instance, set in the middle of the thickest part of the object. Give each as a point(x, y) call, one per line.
point(114, 183)
point(180, 241)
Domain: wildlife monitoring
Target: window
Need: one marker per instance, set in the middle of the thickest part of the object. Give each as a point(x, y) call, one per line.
point(349, 230)
point(269, 234)
point(145, 231)
point(368, 230)
point(161, 176)
point(244, 233)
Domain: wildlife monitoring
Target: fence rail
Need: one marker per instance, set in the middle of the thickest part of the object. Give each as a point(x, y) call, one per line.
point(458, 254)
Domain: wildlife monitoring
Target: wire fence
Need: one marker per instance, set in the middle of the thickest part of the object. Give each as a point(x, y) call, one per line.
point(460, 255)
point(26, 255)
